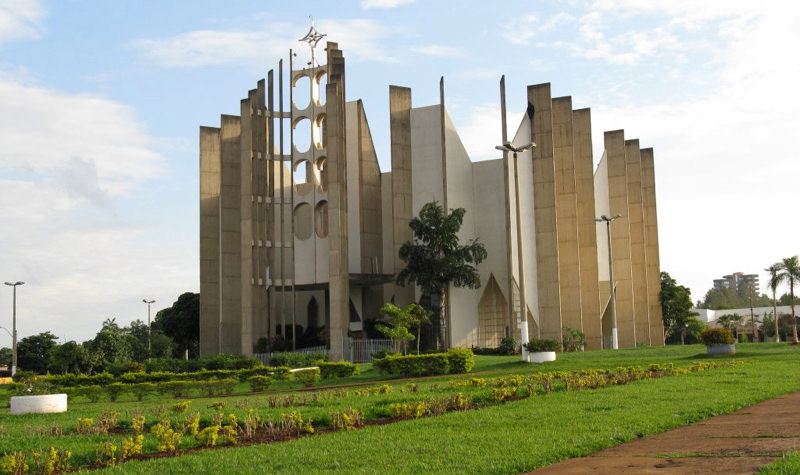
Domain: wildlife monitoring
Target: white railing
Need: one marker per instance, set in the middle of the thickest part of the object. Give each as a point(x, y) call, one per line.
point(265, 357)
point(354, 350)
point(360, 351)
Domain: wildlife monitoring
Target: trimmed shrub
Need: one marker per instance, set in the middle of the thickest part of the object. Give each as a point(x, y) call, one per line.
point(114, 390)
point(307, 376)
point(507, 346)
point(259, 383)
point(413, 365)
point(460, 360)
point(337, 370)
point(140, 390)
point(716, 336)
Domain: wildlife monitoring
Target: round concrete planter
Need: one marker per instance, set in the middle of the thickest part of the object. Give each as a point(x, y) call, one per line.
point(44, 403)
point(721, 350)
point(542, 356)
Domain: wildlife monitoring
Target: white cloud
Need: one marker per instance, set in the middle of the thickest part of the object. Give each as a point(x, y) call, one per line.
point(20, 19)
point(361, 38)
point(68, 165)
point(384, 3)
point(439, 50)
point(44, 132)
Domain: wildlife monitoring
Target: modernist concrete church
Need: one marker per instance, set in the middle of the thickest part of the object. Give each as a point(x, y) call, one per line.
point(299, 226)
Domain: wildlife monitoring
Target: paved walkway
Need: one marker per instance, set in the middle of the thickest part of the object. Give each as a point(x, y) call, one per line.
point(737, 443)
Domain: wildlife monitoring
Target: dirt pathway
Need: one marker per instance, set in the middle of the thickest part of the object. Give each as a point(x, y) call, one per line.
point(737, 443)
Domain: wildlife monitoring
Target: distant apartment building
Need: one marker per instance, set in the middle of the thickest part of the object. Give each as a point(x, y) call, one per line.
point(733, 281)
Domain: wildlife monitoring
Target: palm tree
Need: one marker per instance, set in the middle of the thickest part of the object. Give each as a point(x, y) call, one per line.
point(789, 271)
point(773, 283)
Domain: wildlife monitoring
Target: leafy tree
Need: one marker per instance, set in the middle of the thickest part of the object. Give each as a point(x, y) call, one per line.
point(789, 272)
point(69, 358)
point(786, 300)
point(181, 322)
point(773, 283)
point(136, 337)
point(676, 307)
point(33, 352)
point(161, 346)
point(109, 346)
point(5, 356)
point(726, 299)
point(435, 258)
point(731, 321)
point(401, 321)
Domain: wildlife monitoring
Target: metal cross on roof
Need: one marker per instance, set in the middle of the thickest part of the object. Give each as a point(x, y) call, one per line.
point(312, 38)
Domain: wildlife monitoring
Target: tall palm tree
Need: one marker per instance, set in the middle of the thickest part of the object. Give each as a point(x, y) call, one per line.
point(790, 273)
point(773, 283)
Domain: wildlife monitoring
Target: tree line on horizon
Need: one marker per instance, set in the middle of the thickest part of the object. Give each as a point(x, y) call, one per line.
point(174, 332)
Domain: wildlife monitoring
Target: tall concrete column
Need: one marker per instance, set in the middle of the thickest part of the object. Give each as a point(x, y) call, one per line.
point(247, 209)
point(651, 246)
point(569, 277)
point(402, 194)
point(620, 236)
point(636, 225)
point(587, 233)
point(544, 210)
point(230, 326)
point(210, 183)
point(339, 284)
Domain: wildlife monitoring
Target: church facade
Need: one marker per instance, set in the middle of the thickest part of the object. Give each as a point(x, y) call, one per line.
point(300, 229)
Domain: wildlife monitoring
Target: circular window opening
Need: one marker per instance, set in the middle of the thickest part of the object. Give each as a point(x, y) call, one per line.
point(320, 136)
point(301, 174)
point(301, 92)
point(302, 135)
point(319, 88)
point(302, 221)
point(321, 172)
point(321, 219)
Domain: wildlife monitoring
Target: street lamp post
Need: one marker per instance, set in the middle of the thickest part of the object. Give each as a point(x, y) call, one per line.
point(523, 305)
point(612, 293)
point(148, 302)
point(14, 327)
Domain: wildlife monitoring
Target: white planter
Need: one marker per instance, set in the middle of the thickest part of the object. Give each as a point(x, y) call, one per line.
point(721, 350)
point(41, 404)
point(542, 356)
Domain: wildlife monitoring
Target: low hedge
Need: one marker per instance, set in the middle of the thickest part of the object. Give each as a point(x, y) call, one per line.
point(337, 370)
point(454, 361)
point(105, 379)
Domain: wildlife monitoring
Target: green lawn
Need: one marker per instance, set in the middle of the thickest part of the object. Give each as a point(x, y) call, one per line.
point(506, 438)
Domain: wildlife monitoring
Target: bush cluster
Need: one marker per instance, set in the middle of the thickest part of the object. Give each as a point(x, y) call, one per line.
point(508, 346)
point(454, 361)
point(538, 345)
point(337, 370)
point(716, 336)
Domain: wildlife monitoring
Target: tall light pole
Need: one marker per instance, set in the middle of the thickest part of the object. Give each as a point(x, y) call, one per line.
point(612, 293)
point(148, 302)
point(14, 328)
point(523, 305)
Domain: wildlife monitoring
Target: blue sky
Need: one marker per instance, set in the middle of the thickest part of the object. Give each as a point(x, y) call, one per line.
point(100, 105)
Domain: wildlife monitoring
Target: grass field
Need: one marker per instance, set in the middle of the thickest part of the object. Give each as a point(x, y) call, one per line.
point(511, 437)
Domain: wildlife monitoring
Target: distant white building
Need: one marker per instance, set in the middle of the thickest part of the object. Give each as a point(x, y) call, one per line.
point(710, 316)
